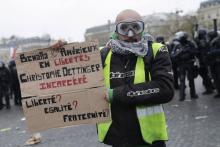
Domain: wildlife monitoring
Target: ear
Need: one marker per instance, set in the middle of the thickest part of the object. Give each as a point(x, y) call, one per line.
point(142, 34)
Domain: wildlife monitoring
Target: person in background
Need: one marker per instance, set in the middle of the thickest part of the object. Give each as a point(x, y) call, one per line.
point(4, 85)
point(214, 58)
point(203, 48)
point(15, 86)
point(160, 39)
point(185, 56)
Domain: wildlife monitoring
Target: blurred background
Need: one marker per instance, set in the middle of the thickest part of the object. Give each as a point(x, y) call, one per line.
point(186, 26)
point(37, 23)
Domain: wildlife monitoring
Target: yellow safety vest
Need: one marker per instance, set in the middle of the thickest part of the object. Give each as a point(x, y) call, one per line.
point(151, 118)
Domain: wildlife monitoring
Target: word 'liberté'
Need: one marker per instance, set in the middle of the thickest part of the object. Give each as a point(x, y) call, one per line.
point(33, 102)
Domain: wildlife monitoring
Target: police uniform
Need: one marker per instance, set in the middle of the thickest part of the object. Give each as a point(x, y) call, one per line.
point(4, 85)
point(214, 57)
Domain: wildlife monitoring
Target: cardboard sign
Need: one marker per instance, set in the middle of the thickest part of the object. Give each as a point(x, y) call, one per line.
point(62, 87)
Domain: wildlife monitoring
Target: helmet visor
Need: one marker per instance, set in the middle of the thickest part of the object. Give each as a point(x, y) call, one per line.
point(123, 28)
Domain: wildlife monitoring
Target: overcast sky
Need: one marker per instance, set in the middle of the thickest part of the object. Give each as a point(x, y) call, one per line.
point(68, 19)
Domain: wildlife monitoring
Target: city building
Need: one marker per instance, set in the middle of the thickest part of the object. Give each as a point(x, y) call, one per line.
point(156, 24)
point(208, 11)
point(22, 44)
point(163, 24)
point(101, 33)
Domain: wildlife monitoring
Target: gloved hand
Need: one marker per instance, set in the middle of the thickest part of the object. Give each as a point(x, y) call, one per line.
point(109, 95)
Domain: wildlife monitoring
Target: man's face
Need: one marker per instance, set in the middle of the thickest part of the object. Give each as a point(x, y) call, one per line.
point(129, 26)
point(130, 31)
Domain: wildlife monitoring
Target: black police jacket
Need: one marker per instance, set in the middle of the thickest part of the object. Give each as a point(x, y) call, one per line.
point(215, 47)
point(5, 79)
point(203, 49)
point(184, 53)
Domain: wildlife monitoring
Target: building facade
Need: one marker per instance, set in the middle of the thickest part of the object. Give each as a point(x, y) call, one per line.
point(155, 24)
point(208, 11)
point(22, 44)
point(101, 33)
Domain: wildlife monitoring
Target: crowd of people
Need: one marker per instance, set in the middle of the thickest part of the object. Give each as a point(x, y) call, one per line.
point(9, 85)
point(190, 58)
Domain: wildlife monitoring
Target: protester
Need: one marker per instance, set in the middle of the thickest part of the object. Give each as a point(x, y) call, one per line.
point(137, 116)
point(139, 79)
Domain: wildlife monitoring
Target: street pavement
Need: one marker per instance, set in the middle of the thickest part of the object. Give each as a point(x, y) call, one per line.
point(193, 123)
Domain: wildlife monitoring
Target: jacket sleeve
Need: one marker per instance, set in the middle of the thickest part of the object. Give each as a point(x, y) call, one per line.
point(194, 49)
point(158, 91)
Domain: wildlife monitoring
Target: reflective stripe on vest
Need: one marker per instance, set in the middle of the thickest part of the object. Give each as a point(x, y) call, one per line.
point(104, 127)
point(151, 118)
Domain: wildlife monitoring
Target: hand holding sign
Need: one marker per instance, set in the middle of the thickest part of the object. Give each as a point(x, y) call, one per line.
point(59, 44)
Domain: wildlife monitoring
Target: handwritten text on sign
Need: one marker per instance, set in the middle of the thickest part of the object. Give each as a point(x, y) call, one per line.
point(82, 107)
point(73, 67)
point(62, 87)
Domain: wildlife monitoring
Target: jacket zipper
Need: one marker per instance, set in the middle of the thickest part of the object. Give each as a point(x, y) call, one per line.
point(127, 64)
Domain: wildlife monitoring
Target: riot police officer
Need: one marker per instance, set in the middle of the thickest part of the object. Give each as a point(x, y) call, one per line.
point(4, 85)
point(160, 39)
point(214, 57)
point(184, 55)
point(203, 47)
point(174, 44)
point(15, 86)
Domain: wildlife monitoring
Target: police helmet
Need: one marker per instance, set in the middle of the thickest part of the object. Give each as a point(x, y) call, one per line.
point(160, 39)
point(202, 33)
point(181, 36)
